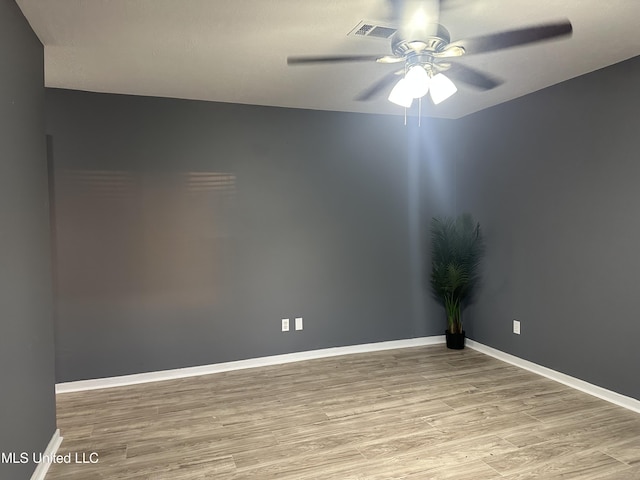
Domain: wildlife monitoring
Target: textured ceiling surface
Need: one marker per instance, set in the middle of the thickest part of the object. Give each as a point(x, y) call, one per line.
point(236, 50)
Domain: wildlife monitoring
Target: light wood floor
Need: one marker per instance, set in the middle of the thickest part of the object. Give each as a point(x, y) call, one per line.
point(417, 413)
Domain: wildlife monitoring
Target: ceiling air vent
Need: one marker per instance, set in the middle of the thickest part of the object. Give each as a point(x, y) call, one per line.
point(370, 29)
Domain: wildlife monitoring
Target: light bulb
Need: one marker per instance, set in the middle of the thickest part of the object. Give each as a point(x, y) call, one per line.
point(417, 80)
point(441, 88)
point(400, 95)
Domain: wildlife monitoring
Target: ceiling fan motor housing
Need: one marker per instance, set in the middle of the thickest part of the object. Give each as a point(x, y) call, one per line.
point(425, 60)
point(427, 42)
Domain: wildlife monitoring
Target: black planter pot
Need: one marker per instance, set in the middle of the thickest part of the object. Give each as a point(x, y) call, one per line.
point(455, 341)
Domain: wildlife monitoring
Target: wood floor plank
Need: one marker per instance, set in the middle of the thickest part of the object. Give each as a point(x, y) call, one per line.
point(627, 451)
point(413, 414)
point(582, 466)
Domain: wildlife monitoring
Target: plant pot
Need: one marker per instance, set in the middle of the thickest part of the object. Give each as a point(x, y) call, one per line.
point(455, 341)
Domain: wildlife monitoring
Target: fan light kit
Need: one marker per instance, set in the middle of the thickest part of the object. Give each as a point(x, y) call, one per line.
point(428, 53)
point(417, 82)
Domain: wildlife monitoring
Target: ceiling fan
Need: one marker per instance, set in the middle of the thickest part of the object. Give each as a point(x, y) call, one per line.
point(427, 52)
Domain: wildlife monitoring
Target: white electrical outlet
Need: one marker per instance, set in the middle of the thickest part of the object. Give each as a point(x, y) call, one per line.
point(516, 327)
point(298, 323)
point(285, 324)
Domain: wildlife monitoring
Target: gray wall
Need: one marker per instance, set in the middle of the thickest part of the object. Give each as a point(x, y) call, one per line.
point(436, 174)
point(27, 403)
point(553, 179)
point(187, 230)
point(325, 215)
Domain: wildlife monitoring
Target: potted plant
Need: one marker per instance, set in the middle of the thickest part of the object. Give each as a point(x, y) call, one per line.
point(457, 247)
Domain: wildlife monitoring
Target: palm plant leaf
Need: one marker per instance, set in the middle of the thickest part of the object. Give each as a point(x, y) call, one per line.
point(457, 248)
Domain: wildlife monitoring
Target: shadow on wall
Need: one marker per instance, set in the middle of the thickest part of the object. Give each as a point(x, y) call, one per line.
point(153, 239)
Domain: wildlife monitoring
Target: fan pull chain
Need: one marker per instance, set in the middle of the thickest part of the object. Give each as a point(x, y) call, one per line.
point(420, 111)
point(405, 116)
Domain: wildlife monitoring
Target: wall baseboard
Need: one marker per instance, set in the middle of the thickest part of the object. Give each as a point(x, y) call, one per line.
point(125, 380)
point(43, 467)
point(98, 383)
point(602, 393)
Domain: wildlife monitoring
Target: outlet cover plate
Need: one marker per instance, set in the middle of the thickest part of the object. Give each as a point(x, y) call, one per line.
point(516, 327)
point(298, 323)
point(285, 324)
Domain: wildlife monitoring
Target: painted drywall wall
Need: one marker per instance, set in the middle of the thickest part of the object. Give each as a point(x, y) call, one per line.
point(323, 218)
point(27, 399)
point(553, 179)
point(187, 230)
point(436, 173)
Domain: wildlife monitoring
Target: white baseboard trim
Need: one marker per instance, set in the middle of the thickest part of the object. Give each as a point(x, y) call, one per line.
point(603, 393)
point(98, 383)
point(43, 467)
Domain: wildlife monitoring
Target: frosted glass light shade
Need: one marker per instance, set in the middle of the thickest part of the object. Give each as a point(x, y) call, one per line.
point(400, 94)
point(441, 88)
point(417, 80)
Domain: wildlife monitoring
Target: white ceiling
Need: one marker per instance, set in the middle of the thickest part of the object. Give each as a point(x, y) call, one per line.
point(235, 50)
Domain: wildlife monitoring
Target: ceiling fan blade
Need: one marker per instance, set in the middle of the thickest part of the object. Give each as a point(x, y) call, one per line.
point(379, 86)
point(508, 39)
point(473, 77)
point(390, 59)
point(333, 59)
